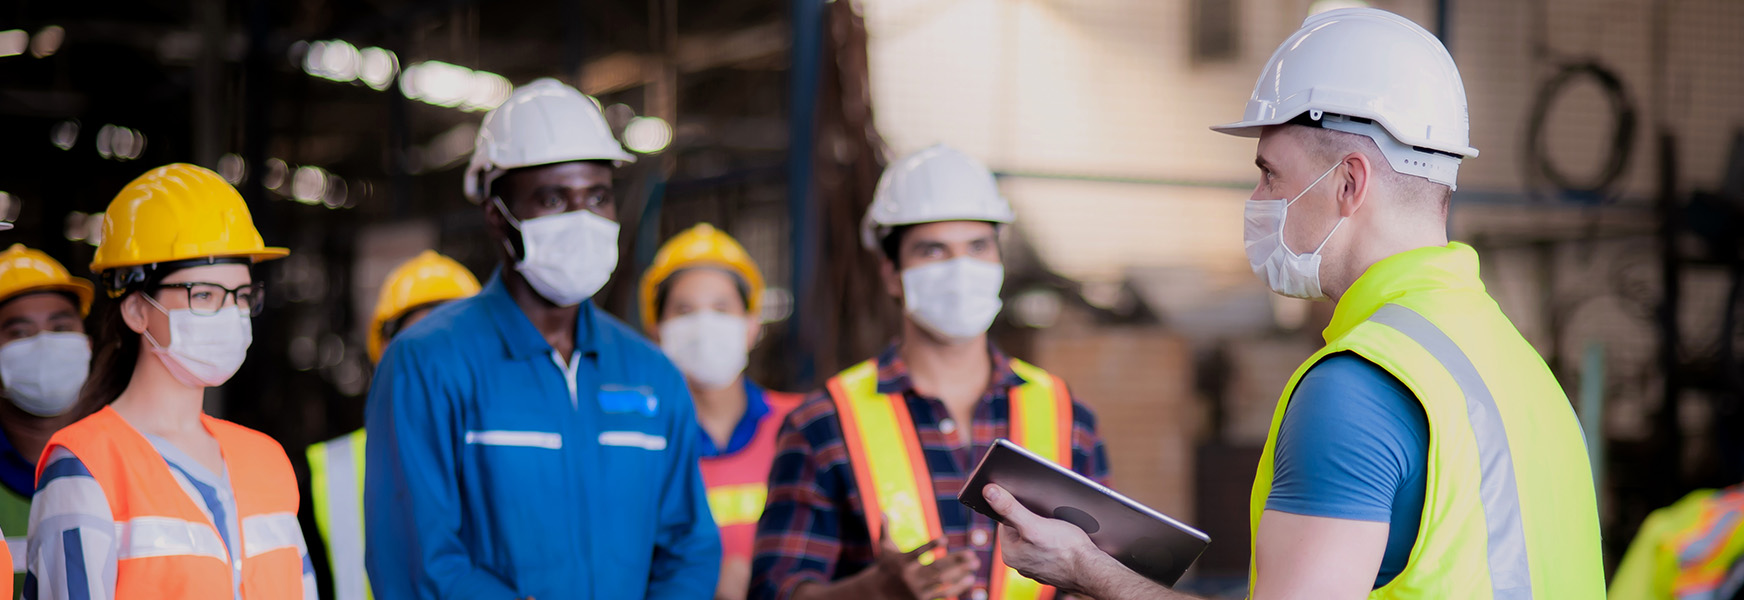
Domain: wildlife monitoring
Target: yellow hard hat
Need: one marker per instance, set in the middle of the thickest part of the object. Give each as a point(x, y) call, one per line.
point(174, 213)
point(426, 279)
point(700, 246)
point(24, 270)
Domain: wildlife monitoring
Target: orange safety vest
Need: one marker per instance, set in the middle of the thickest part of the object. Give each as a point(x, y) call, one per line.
point(890, 469)
point(169, 548)
point(738, 483)
point(6, 587)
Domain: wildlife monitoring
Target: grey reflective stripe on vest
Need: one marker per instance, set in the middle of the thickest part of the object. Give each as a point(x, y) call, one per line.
point(1510, 573)
point(345, 518)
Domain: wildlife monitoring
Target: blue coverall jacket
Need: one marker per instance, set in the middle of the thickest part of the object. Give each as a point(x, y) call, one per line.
point(498, 470)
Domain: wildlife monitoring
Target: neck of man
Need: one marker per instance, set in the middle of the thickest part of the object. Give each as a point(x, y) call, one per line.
point(1380, 239)
point(718, 411)
point(555, 323)
point(29, 433)
point(156, 403)
point(956, 372)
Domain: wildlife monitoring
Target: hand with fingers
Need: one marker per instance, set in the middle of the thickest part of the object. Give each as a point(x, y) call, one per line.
point(906, 578)
point(735, 579)
point(1047, 550)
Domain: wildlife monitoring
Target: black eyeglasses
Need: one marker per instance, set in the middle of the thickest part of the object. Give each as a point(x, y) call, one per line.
point(206, 299)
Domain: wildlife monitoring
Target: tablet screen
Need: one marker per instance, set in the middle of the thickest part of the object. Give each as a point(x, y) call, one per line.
point(1148, 542)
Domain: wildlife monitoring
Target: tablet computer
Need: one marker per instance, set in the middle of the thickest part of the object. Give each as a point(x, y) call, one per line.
point(1146, 541)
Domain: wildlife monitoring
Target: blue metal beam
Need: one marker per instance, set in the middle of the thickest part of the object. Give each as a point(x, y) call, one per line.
point(803, 78)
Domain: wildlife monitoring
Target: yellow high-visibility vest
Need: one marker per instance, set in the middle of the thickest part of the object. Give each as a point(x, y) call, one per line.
point(894, 480)
point(1509, 510)
point(336, 482)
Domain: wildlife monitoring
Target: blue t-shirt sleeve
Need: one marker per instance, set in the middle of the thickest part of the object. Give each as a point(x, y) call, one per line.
point(1352, 439)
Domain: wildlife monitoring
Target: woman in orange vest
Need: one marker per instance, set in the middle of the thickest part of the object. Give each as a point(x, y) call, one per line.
point(701, 300)
point(149, 497)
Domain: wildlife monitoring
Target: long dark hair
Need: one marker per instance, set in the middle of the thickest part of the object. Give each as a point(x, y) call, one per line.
point(115, 348)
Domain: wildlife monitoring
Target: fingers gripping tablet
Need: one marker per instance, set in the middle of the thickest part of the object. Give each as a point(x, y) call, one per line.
point(1148, 542)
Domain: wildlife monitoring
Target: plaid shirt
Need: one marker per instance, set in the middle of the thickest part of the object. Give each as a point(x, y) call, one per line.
point(814, 528)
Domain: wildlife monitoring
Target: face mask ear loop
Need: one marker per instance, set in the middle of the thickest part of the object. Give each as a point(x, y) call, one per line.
point(1311, 185)
point(1335, 227)
point(513, 222)
point(1285, 219)
point(160, 308)
point(153, 302)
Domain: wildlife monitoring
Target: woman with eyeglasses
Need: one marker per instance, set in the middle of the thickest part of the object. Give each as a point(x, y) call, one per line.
point(149, 497)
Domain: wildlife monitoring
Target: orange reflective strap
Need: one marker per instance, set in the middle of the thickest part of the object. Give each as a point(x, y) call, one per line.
point(895, 482)
point(857, 448)
point(920, 475)
point(889, 467)
point(1041, 421)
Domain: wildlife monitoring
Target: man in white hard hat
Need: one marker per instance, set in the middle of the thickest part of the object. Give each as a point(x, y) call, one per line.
point(1426, 451)
point(866, 475)
point(521, 442)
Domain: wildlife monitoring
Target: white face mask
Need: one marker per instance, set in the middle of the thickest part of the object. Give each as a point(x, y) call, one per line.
point(955, 299)
point(710, 348)
point(566, 257)
point(43, 372)
point(204, 351)
point(1288, 273)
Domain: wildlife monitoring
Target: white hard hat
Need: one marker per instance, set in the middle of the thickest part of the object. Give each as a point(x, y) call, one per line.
point(929, 186)
point(544, 122)
point(1370, 72)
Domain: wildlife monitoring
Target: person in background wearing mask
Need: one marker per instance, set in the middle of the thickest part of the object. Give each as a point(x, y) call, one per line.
point(522, 442)
point(702, 301)
point(1426, 451)
point(842, 520)
point(149, 497)
point(1691, 549)
point(408, 294)
point(44, 356)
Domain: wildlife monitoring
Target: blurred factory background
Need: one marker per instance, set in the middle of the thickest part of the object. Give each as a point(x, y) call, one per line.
point(1608, 202)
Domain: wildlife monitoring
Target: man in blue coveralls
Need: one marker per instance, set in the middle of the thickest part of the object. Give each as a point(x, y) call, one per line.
point(522, 443)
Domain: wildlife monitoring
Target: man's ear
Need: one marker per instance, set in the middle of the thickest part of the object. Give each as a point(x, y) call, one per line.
point(1355, 183)
point(892, 279)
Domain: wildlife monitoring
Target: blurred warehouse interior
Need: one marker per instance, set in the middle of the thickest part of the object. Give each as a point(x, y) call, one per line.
point(1608, 201)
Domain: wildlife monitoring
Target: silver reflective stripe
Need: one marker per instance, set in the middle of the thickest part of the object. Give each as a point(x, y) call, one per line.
point(633, 439)
point(18, 548)
point(1510, 573)
point(146, 537)
point(527, 439)
point(272, 531)
point(345, 517)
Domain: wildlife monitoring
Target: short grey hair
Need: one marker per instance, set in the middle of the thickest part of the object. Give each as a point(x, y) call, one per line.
point(1329, 145)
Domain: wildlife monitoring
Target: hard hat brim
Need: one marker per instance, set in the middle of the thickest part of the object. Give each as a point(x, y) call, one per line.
point(257, 256)
point(1252, 129)
point(269, 253)
point(478, 177)
point(1246, 129)
point(79, 288)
